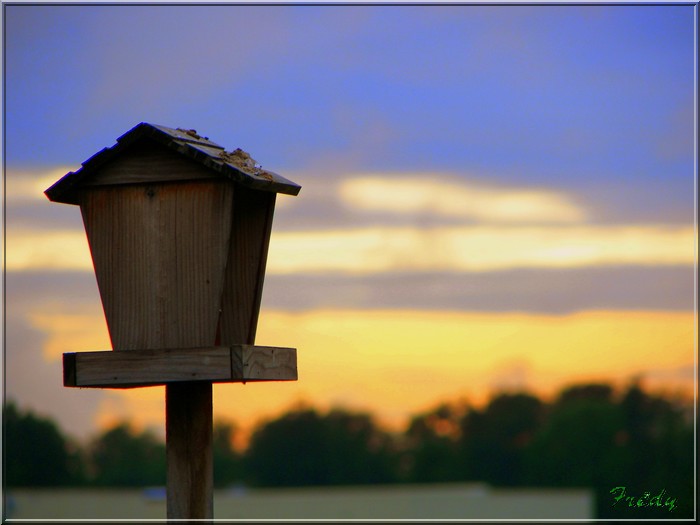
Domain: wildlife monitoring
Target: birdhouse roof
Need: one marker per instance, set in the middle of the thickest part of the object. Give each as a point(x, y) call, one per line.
point(236, 165)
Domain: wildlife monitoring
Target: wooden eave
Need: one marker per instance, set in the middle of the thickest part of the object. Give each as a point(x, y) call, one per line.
point(183, 142)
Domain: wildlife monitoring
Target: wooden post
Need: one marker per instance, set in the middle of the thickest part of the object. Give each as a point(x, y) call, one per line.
point(188, 431)
point(178, 230)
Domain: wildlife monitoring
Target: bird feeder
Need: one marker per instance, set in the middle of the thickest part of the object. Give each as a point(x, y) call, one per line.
point(178, 230)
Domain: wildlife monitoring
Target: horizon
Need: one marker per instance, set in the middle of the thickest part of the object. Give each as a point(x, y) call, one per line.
point(492, 196)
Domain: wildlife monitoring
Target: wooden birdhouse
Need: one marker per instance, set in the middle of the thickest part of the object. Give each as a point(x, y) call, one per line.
point(178, 229)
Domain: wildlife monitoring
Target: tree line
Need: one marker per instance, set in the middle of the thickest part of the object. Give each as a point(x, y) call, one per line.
point(589, 436)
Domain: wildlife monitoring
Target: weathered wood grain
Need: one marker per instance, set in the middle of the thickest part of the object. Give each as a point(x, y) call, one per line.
point(160, 252)
point(147, 162)
point(188, 434)
point(245, 270)
point(264, 363)
point(148, 367)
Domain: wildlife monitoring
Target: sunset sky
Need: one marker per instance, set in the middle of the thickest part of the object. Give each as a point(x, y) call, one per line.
point(493, 197)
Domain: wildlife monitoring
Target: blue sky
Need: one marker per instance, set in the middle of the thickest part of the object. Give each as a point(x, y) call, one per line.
point(477, 159)
point(584, 97)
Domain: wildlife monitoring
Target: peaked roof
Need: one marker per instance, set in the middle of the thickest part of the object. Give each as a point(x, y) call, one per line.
point(236, 165)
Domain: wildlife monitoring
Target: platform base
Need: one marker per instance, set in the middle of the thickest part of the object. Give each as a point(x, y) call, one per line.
point(216, 364)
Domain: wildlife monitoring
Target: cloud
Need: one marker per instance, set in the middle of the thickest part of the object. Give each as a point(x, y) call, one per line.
point(391, 359)
point(26, 206)
point(67, 330)
point(511, 375)
point(28, 185)
point(555, 291)
point(35, 382)
point(408, 249)
point(477, 248)
point(32, 249)
point(422, 222)
point(64, 309)
point(426, 194)
point(429, 223)
point(143, 408)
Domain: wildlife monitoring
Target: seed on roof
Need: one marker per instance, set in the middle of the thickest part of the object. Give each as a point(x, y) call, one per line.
point(238, 158)
point(191, 132)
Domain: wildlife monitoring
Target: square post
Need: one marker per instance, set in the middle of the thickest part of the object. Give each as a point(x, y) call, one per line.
point(188, 431)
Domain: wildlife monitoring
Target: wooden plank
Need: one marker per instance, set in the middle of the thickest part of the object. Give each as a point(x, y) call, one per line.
point(262, 264)
point(247, 258)
point(160, 252)
point(263, 363)
point(188, 436)
point(149, 367)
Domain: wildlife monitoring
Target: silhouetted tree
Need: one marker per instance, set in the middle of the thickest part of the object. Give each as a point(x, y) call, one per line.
point(589, 437)
point(359, 451)
point(228, 468)
point(587, 392)
point(582, 442)
point(304, 447)
point(593, 440)
point(494, 439)
point(659, 442)
point(37, 454)
point(121, 457)
point(431, 447)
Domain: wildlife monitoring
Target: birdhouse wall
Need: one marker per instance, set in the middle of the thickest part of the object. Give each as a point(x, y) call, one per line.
point(160, 253)
point(250, 238)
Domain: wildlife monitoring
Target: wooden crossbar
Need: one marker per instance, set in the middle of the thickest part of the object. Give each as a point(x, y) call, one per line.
point(216, 364)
